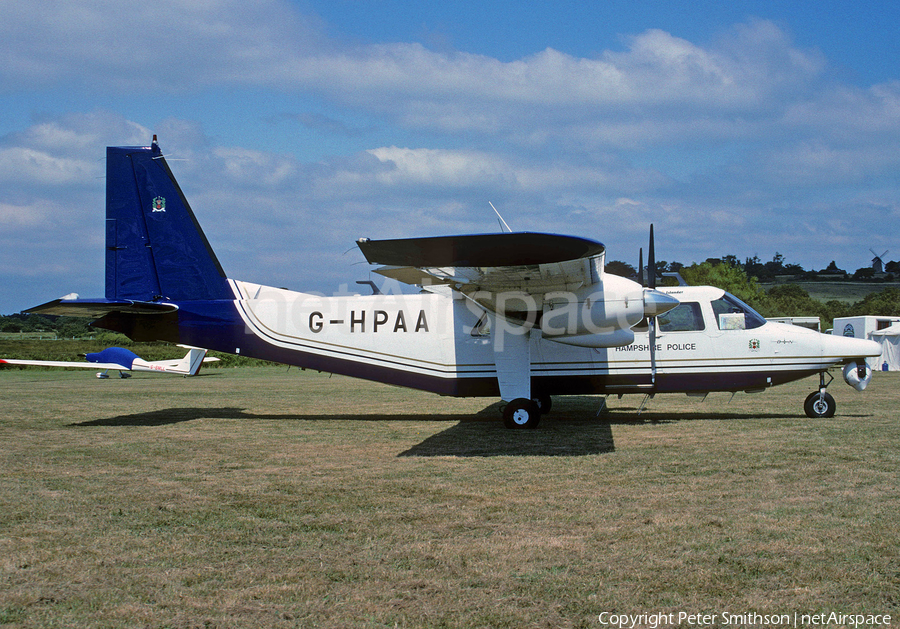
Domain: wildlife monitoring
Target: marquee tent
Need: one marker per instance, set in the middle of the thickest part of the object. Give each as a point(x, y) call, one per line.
point(889, 338)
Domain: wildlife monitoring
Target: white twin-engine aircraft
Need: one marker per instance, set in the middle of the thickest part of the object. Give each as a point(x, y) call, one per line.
point(522, 316)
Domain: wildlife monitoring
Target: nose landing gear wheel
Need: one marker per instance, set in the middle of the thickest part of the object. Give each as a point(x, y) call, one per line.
point(521, 413)
point(817, 405)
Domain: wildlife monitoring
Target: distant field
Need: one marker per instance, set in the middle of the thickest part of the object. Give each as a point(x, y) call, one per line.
point(270, 497)
point(847, 292)
point(27, 336)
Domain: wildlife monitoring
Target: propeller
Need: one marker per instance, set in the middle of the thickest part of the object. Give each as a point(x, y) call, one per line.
point(655, 302)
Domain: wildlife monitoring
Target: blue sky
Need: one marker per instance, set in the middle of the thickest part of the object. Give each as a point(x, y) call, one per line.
point(296, 127)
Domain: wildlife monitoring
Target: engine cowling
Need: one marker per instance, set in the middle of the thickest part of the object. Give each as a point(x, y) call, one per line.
point(617, 338)
point(601, 315)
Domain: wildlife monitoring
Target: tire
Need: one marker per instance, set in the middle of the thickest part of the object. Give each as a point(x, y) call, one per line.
point(817, 408)
point(521, 413)
point(544, 403)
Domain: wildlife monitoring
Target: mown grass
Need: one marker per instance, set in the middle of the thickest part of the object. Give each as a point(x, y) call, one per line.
point(278, 498)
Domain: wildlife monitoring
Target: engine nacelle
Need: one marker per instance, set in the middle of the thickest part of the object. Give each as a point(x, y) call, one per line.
point(614, 304)
point(857, 375)
point(617, 338)
point(601, 315)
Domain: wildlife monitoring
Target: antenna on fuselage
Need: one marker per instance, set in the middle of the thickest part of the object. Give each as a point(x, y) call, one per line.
point(502, 222)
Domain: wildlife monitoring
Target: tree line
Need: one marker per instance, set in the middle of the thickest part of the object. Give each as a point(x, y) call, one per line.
point(788, 300)
point(777, 269)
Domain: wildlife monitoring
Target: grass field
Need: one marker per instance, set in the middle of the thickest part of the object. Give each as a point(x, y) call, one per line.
point(274, 498)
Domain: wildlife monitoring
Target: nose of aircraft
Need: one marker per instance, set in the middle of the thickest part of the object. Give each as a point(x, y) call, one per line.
point(847, 347)
point(656, 303)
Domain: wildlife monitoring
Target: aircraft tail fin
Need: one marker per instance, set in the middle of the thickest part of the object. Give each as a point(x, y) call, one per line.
point(193, 360)
point(155, 249)
point(187, 366)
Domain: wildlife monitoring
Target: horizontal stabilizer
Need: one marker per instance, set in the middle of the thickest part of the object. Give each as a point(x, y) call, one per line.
point(96, 308)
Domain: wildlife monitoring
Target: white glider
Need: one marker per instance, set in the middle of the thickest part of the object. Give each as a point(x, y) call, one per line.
point(124, 360)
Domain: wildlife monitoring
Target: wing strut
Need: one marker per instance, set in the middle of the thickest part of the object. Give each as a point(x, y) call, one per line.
point(502, 222)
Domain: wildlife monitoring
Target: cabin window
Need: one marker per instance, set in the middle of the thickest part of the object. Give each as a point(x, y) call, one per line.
point(685, 317)
point(733, 314)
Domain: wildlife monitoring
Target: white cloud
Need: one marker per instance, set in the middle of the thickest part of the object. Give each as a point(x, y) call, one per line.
point(704, 139)
point(29, 166)
point(182, 46)
point(63, 151)
point(244, 166)
point(435, 167)
point(17, 217)
point(850, 114)
point(168, 44)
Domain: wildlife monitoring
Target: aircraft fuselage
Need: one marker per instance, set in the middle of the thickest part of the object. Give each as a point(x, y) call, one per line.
point(436, 341)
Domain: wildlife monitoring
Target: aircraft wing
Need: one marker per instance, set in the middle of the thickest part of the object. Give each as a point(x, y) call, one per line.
point(479, 250)
point(63, 363)
point(110, 358)
point(534, 263)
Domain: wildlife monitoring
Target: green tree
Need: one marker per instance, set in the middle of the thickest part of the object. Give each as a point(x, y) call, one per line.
point(791, 300)
point(885, 303)
point(623, 269)
point(10, 324)
point(832, 269)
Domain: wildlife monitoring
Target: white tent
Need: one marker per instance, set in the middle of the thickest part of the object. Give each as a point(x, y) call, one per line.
point(889, 338)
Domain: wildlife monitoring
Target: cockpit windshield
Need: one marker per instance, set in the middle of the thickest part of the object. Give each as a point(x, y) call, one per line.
point(733, 314)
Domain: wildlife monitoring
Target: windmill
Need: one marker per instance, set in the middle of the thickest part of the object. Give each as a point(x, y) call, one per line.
point(878, 261)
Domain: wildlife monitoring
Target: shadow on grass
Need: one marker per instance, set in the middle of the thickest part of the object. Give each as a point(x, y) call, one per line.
point(164, 417)
point(574, 428)
point(487, 438)
point(169, 416)
point(574, 410)
point(478, 435)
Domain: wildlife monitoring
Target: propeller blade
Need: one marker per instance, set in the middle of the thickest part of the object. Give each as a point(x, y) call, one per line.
point(641, 276)
point(651, 320)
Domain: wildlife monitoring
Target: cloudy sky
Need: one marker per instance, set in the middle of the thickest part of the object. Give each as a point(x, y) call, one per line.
point(297, 126)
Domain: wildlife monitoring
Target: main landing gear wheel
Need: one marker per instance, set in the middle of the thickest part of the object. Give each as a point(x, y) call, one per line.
point(819, 405)
point(521, 413)
point(544, 403)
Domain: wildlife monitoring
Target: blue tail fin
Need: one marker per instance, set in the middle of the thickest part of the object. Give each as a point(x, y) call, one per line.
point(155, 249)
